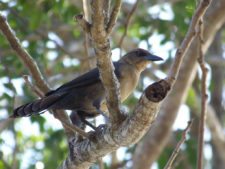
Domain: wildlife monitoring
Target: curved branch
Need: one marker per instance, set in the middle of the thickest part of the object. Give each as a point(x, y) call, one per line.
point(106, 139)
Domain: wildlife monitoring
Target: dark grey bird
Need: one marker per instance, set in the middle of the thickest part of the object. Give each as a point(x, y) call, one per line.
point(86, 94)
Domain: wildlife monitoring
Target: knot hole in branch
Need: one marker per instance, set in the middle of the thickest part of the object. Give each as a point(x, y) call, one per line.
point(157, 91)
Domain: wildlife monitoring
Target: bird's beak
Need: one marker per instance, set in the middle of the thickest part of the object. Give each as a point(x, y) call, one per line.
point(152, 57)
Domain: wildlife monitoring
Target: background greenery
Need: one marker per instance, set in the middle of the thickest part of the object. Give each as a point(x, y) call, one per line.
point(47, 30)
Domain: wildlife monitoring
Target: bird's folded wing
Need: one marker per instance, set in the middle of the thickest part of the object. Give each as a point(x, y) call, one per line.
point(84, 80)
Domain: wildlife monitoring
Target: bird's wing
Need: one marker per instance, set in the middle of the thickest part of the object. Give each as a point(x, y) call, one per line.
point(84, 80)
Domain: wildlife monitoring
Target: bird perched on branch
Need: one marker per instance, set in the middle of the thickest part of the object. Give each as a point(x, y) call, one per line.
point(86, 94)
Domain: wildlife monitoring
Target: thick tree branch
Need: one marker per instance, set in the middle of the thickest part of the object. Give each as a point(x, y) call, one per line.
point(103, 52)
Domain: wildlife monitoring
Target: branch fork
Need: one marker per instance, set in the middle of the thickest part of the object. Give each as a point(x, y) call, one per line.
point(99, 31)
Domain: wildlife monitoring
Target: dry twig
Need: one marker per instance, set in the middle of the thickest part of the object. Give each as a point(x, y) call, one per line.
point(23, 54)
point(113, 16)
point(200, 11)
point(86, 39)
point(127, 24)
point(178, 146)
point(35, 72)
point(204, 96)
point(34, 88)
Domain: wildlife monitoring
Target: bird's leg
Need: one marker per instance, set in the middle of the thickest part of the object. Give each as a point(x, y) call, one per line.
point(76, 120)
point(97, 104)
point(88, 123)
point(84, 121)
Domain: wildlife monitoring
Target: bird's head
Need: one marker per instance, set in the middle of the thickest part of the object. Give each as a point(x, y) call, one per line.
point(140, 58)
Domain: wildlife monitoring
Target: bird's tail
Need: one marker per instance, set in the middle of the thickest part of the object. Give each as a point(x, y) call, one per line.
point(37, 106)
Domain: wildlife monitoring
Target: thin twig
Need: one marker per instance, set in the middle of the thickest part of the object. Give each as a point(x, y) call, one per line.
point(23, 54)
point(204, 96)
point(34, 88)
point(181, 51)
point(42, 34)
point(127, 24)
point(113, 17)
point(38, 31)
point(87, 17)
point(178, 146)
point(33, 68)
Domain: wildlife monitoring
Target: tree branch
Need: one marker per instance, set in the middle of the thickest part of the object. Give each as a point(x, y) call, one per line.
point(204, 96)
point(113, 16)
point(106, 69)
point(34, 71)
point(216, 130)
point(155, 140)
point(34, 88)
point(181, 51)
point(127, 24)
point(23, 54)
point(105, 139)
point(178, 146)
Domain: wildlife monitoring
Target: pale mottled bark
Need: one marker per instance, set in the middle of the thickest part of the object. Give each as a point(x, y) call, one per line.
point(153, 143)
point(99, 32)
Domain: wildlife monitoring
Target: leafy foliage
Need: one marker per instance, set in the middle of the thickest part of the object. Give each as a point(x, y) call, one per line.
point(47, 30)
